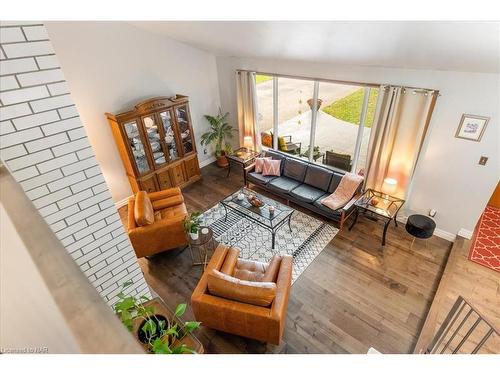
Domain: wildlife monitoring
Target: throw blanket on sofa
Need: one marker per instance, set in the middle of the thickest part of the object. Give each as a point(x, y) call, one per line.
point(344, 192)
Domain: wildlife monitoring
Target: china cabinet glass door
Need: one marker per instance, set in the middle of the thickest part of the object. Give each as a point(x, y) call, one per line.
point(154, 138)
point(137, 147)
point(182, 118)
point(169, 138)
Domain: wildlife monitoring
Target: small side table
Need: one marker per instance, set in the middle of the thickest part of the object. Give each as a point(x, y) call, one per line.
point(383, 206)
point(242, 157)
point(201, 247)
point(420, 226)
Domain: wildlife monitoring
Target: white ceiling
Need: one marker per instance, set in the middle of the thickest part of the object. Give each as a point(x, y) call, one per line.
point(459, 46)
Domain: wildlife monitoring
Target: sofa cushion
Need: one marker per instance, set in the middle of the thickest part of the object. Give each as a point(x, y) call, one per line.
point(318, 177)
point(283, 184)
point(295, 169)
point(306, 193)
point(271, 167)
point(251, 292)
point(335, 181)
point(259, 179)
point(259, 164)
point(143, 209)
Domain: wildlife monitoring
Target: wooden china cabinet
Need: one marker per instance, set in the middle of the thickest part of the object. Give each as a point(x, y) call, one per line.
point(156, 143)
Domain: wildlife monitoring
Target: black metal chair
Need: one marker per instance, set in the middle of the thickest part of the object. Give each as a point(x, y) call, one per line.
point(340, 161)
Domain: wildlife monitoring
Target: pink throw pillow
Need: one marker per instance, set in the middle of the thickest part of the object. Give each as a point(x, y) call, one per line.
point(259, 163)
point(271, 167)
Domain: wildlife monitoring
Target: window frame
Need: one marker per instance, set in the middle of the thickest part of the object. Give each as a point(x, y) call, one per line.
point(314, 115)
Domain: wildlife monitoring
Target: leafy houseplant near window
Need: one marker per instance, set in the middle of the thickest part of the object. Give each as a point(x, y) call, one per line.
point(157, 333)
point(219, 131)
point(192, 224)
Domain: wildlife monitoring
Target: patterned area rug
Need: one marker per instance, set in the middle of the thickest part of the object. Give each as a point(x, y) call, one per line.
point(485, 248)
point(308, 238)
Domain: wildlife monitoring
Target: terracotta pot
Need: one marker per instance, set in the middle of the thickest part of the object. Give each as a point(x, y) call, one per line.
point(222, 161)
point(310, 102)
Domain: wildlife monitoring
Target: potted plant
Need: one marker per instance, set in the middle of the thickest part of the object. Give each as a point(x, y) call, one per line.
point(192, 224)
point(158, 332)
point(219, 131)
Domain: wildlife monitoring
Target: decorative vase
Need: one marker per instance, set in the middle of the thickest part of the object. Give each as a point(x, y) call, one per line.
point(194, 236)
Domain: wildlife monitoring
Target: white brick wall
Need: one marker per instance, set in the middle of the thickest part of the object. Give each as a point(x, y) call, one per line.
point(44, 145)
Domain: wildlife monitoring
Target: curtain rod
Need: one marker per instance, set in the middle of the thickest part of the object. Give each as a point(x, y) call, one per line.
point(365, 84)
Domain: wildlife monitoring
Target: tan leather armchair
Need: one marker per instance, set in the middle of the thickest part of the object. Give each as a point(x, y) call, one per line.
point(155, 221)
point(252, 319)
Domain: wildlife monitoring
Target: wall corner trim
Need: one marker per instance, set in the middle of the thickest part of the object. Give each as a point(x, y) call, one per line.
point(465, 233)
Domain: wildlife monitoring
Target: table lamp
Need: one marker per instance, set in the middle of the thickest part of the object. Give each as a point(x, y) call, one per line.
point(389, 186)
point(248, 142)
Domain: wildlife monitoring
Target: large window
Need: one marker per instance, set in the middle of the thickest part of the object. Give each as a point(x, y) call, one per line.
point(339, 131)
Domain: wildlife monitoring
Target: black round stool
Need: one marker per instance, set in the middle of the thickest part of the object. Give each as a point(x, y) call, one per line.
point(420, 226)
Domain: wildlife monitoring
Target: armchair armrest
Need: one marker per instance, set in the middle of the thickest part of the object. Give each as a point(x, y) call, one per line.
point(216, 262)
point(130, 214)
point(164, 194)
point(283, 285)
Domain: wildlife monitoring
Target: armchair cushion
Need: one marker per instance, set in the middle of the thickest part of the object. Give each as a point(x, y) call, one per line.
point(282, 145)
point(171, 201)
point(143, 209)
point(250, 292)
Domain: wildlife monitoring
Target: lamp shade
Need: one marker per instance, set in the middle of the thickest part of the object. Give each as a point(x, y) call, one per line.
point(389, 186)
point(248, 142)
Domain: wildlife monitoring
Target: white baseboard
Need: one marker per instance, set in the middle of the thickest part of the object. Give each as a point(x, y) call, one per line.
point(208, 161)
point(465, 233)
point(122, 203)
point(437, 232)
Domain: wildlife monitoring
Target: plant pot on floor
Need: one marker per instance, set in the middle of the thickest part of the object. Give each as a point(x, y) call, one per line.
point(222, 160)
point(162, 311)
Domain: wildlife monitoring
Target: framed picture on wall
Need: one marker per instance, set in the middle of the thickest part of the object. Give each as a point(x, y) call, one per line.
point(472, 127)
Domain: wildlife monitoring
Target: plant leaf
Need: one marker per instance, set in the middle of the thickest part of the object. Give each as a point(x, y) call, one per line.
point(191, 326)
point(149, 327)
point(160, 347)
point(180, 310)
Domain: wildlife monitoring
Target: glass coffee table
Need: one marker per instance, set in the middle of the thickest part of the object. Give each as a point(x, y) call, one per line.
point(260, 215)
point(383, 206)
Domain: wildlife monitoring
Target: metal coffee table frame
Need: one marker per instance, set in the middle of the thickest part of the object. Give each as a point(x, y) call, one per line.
point(282, 215)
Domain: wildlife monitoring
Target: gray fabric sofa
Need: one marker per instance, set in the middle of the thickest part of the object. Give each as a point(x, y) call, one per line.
point(305, 184)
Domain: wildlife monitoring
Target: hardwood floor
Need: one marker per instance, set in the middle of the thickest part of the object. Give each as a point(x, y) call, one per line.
point(479, 285)
point(356, 294)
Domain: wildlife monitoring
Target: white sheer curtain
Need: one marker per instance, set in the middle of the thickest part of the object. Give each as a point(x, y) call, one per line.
point(247, 107)
point(402, 118)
